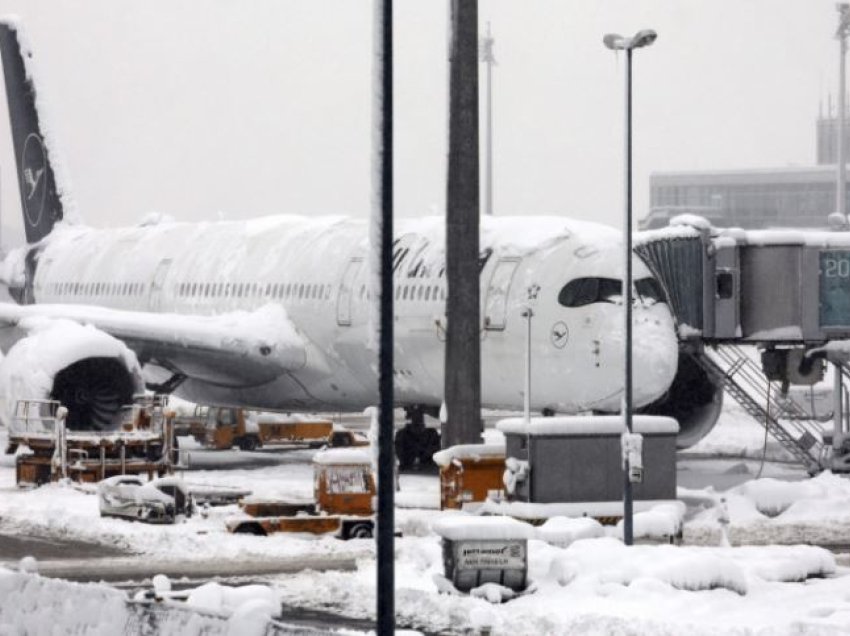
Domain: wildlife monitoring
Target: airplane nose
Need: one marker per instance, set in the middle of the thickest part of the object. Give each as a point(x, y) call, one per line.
point(655, 353)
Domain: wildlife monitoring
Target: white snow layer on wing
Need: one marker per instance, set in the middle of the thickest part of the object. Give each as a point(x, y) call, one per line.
point(243, 331)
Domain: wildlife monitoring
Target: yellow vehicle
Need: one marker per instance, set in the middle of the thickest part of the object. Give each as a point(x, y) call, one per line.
point(221, 428)
point(139, 443)
point(344, 488)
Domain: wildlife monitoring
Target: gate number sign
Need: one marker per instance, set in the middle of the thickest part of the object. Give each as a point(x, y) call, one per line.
point(835, 288)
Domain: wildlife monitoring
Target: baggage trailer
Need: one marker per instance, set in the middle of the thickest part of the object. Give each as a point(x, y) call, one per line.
point(221, 428)
point(344, 488)
point(139, 444)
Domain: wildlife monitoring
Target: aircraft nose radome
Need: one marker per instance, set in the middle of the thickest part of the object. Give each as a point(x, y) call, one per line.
point(655, 354)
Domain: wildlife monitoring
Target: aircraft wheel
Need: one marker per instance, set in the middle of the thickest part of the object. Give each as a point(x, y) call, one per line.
point(405, 448)
point(360, 531)
point(429, 443)
point(250, 528)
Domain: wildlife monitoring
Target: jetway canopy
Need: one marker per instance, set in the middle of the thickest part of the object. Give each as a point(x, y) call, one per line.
point(752, 286)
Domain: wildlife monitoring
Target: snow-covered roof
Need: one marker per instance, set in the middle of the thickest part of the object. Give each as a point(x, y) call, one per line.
point(342, 456)
point(489, 528)
point(587, 425)
point(468, 451)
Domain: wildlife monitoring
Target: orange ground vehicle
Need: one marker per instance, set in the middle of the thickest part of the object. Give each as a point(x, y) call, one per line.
point(139, 444)
point(344, 488)
point(221, 428)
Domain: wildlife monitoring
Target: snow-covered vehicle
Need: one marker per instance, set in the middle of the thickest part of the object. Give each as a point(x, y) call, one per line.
point(157, 501)
point(344, 490)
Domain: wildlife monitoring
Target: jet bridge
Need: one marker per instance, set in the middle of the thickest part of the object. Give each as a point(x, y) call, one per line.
point(786, 292)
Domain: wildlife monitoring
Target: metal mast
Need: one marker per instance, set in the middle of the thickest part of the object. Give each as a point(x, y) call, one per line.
point(841, 161)
point(487, 57)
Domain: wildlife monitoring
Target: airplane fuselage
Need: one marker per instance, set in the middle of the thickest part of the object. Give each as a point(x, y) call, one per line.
point(318, 270)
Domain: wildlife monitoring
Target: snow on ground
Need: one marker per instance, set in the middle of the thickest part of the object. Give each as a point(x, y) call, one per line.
point(584, 579)
point(738, 435)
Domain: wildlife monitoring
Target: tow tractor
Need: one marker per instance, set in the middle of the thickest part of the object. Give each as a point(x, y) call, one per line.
point(220, 428)
point(344, 487)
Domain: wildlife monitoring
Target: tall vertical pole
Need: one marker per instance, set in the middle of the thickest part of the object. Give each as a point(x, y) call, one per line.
point(382, 235)
point(489, 60)
point(528, 313)
point(627, 304)
point(841, 160)
point(463, 345)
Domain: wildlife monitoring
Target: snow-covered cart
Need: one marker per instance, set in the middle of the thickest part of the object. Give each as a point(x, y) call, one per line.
point(157, 501)
point(344, 487)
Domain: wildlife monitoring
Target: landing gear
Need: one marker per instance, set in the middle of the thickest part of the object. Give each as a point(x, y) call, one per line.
point(415, 444)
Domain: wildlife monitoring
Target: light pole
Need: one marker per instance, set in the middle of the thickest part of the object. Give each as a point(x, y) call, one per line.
point(619, 43)
point(487, 57)
point(841, 160)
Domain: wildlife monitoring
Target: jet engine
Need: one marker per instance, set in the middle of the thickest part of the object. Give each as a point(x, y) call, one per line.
point(90, 372)
point(694, 400)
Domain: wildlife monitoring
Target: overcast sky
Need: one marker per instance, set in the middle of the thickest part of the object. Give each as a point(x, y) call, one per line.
point(202, 109)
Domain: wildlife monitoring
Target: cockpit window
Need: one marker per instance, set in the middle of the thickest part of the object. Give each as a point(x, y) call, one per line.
point(584, 291)
point(649, 289)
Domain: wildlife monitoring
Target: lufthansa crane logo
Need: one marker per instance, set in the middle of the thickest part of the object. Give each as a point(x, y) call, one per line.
point(559, 335)
point(34, 177)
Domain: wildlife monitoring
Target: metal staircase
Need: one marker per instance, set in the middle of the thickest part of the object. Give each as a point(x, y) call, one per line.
point(743, 380)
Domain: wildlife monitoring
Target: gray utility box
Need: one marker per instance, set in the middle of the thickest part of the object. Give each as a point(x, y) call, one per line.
point(579, 459)
point(479, 550)
point(759, 286)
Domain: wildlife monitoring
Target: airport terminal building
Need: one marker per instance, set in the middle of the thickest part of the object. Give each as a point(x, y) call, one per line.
point(756, 198)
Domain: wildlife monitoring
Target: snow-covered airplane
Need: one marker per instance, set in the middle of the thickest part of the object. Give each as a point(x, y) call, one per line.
point(275, 312)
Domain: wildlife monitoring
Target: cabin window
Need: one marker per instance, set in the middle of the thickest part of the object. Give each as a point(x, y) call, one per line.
point(428, 293)
point(585, 291)
point(649, 289)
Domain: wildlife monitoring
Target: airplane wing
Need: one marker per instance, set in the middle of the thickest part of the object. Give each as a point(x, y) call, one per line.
point(242, 348)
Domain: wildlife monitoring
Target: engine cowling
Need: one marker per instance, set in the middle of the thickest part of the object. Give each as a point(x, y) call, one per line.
point(694, 399)
point(90, 372)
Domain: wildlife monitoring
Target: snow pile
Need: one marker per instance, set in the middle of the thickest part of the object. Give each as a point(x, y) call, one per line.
point(767, 511)
point(569, 425)
point(258, 600)
point(474, 452)
point(772, 497)
point(36, 606)
point(562, 531)
point(460, 527)
point(662, 521)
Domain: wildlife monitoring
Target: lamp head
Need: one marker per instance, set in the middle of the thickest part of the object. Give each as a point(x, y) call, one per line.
point(644, 37)
point(614, 41)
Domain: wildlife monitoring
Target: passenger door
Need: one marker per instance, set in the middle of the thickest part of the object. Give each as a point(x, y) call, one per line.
point(496, 300)
point(346, 292)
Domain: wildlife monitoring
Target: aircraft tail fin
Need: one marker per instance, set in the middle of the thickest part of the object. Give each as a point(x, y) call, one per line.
point(41, 202)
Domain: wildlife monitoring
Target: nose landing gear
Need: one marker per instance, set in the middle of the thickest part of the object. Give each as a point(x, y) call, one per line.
point(415, 443)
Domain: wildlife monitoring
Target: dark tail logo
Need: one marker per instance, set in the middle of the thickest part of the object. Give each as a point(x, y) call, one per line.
point(40, 202)
point(33, 172)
